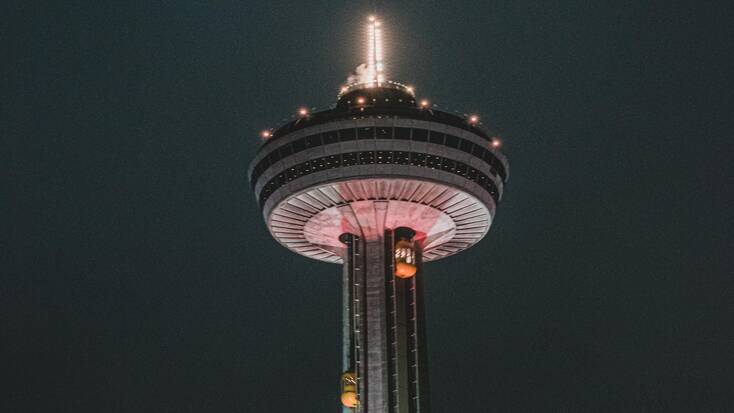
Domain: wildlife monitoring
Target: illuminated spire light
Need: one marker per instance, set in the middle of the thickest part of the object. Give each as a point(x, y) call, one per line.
point(375, 66)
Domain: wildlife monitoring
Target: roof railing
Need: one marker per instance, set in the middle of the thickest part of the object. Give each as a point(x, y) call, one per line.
point(389, 84)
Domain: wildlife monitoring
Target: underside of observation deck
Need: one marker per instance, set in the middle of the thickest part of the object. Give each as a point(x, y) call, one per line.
point(446, 219)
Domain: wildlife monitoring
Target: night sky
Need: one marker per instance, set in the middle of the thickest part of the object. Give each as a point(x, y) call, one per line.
point(137, 274)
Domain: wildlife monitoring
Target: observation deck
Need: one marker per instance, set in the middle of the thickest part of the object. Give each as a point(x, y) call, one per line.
point(379, 154)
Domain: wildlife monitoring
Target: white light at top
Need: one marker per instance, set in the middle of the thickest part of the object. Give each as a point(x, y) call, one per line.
point(375, 72)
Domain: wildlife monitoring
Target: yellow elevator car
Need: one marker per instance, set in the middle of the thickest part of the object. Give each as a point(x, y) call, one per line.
point(349, 390)
point(404, 259)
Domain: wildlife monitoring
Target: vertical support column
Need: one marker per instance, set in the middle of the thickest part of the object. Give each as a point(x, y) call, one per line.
point(347, 287)
point(421, 389)
point(375, 316)
point(353, 314)
point(400, 338)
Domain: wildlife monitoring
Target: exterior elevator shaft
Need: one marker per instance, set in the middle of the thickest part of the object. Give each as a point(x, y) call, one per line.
point(384, 340)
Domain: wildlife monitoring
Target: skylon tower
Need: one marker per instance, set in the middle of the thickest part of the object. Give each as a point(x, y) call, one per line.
point(381, 183)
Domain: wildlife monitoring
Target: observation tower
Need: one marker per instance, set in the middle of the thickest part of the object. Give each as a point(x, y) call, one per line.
point(381, 183)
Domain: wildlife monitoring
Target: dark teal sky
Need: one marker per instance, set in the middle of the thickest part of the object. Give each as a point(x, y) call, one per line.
point(137, 274)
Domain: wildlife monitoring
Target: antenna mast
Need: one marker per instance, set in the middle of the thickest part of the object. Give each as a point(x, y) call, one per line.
point(375, 65)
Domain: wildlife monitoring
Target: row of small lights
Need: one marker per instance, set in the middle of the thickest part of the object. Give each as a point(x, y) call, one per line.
point(304, 113)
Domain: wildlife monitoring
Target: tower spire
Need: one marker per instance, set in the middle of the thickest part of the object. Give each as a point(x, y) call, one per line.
point(375, 64)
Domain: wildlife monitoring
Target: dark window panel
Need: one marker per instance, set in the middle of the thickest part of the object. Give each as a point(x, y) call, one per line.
point(330, 137)
point(285, 151)
point(402, 133)
point(467, 146)
point(436, 137)
point(366, 133)
point(478, 151)
point(257, 171)
point(420, 135)
point(384, 133)
point(313, 140)
point(452, 141)
point(298, 145)
point(347, 134)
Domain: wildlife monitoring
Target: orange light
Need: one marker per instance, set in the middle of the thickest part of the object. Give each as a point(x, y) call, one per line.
point(473, 119)
point(405, 270)
point(303, 112)
point(424, 103)
point(360, 100)
point(344, 89)
point(265, 134)
point(349, 399)
point(496, 143)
